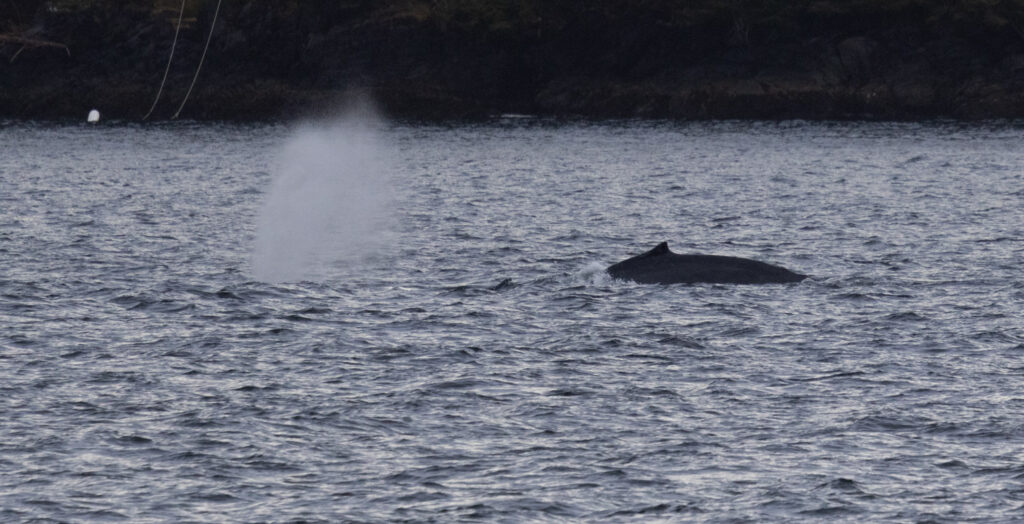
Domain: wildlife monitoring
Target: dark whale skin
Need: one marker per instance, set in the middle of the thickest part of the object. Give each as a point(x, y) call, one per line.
point(661, 266)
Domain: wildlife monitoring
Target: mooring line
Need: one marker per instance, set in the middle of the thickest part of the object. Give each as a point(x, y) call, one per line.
point(201, 59)
point(174, 44)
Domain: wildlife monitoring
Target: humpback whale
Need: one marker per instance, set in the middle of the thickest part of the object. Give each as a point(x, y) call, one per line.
point(661, 266)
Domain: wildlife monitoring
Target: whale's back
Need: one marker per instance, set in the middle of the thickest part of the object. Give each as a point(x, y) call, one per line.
point(661, 266)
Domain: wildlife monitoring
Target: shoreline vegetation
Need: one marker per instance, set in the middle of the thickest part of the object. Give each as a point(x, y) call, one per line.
point(457, 59)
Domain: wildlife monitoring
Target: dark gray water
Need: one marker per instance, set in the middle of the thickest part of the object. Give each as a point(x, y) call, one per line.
point(441, 345)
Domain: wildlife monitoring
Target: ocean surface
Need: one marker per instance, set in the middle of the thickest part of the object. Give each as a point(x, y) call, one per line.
point(366, 321)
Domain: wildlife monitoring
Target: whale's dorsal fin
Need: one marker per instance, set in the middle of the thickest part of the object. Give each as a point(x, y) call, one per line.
point(660, 249)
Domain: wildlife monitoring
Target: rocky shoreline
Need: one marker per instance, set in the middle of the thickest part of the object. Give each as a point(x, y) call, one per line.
point(270, 63)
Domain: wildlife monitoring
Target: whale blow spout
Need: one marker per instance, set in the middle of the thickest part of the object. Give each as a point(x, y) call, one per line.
point(661, 266)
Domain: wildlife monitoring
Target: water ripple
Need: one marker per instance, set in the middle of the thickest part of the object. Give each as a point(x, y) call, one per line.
point(482, 366)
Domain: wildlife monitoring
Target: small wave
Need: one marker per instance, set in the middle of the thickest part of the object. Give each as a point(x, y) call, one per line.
point(313, 310)
point(830, 511)
point(853, 295)
point(163, 306)
point(740, 331)
point(681, 341)
point(891, 423)
point(471, 290)
point(653, 510)
point(953, 464)
point(134, 440)
point(842, 374)
point(504, 284)
point(843, 485)
point(906, 316)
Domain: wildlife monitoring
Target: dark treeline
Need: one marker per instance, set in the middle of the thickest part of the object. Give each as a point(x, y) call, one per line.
point(892, 59)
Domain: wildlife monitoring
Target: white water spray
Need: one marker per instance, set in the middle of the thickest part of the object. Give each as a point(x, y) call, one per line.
point(327, 203)
point(594, 274)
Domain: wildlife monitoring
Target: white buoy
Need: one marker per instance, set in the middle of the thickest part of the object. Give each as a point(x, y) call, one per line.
point(94, 116)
